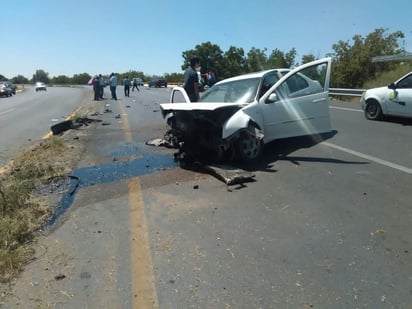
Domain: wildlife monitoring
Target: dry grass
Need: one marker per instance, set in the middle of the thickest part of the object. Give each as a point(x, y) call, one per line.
point(23, 210)
point(385, 78)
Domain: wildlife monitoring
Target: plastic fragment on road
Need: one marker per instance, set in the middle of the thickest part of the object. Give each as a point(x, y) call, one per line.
point(230, 175)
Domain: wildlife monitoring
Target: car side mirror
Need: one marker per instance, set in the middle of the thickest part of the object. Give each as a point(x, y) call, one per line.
point(272, 98)
point(392, 86)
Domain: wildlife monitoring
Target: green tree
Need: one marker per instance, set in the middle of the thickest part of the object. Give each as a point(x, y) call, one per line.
point(353, 65)
point(80, 79)
point(290, 58)
point(256, 60)
point(61, 80)
point(308, 58)
point(211, 58)
point(20, 79)
point(176, 78)
point(279, 59)
point(233, 63)
point(41, 76)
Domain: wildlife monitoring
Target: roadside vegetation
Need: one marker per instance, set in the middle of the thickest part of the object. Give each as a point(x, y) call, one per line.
point(384, 78)
point(352, 62)
point(30, 189)
point(22, 212)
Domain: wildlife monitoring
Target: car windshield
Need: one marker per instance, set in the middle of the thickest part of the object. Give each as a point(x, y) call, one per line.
point(238, 91)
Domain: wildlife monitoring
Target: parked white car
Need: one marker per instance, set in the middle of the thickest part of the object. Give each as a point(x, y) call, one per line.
point(237, 116)
point(393, 100)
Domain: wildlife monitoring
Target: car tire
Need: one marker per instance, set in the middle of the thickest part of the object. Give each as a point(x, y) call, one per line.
point(373, 110)
point(60, 127)
point(248, 146)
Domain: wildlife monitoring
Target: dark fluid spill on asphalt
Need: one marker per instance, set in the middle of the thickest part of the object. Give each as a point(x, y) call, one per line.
point(144, 162)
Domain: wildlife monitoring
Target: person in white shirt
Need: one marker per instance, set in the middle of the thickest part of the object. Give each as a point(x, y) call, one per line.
point(113, 85)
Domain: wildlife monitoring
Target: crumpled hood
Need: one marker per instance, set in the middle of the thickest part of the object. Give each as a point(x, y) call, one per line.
point(196, 106)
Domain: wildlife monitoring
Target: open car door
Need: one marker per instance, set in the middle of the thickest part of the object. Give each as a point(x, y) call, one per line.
point(298, 104)
point(179, 95)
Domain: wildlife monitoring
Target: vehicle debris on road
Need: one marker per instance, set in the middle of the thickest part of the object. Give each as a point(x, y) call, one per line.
point(228, 174)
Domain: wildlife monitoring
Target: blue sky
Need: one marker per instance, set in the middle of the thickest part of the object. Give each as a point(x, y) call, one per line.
point(79, 36)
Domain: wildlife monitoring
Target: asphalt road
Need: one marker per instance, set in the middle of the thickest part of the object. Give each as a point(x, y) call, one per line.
point(28, 116)
point(325, 224)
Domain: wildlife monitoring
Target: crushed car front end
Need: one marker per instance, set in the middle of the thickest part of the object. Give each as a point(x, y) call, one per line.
point(198, 127)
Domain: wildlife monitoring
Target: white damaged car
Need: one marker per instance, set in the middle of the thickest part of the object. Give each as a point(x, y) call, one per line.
point(237, 116)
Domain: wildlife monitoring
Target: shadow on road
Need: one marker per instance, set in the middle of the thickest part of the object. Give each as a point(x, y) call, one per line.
point(281, 150)
point(399, 120)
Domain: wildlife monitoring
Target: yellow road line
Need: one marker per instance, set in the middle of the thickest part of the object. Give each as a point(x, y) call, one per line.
point(144, 292)
point(143, 287)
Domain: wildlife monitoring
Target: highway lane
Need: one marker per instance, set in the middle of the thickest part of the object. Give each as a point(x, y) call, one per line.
point(325, 224)
point(28, 116)
point(386, 140)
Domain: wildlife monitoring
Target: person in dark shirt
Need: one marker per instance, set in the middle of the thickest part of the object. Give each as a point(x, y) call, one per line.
point(96, 88)
point(126, 84)
point(191, 79)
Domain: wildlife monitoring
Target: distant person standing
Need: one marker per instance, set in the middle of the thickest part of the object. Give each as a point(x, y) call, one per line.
point(126, 84)
point(191, 79)
point(134, 83)
point(113, 85)
point(96, 88)
point(211, 79)
point(102, 85)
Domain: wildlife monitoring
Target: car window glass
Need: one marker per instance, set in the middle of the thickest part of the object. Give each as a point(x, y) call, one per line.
point(406, 82)
point(268, 82)
point(296, 83)
point(308, 81)
point(239, 91)
point(177, 97)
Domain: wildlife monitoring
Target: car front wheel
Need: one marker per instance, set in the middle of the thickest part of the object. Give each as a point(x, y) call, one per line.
point(248, 146)
point(373, 110)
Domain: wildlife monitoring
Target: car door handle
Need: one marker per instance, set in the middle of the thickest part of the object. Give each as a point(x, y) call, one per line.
point(318, 100)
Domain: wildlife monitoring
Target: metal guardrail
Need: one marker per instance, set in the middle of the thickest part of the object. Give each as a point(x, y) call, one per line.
point(402, 56)
point(346, 92)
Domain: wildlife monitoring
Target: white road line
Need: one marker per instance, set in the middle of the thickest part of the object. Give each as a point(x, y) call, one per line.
point(7, 111)
point(347, 109)
point(371, 158)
